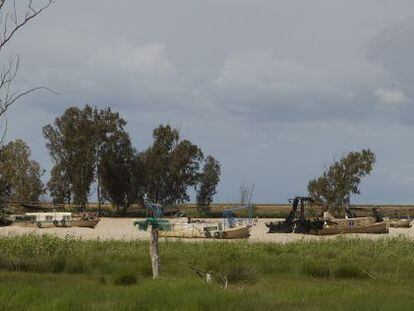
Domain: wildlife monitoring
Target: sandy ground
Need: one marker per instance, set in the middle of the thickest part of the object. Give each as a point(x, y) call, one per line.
point(123, 229)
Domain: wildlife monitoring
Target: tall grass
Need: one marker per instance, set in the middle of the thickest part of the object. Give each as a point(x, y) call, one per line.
point(46, 272)
point(334, 258)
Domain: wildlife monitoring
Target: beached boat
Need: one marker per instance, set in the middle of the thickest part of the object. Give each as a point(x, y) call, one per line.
point(298, 222)
point(57, 219)
point(375, 228)
point(85, 223)
point(334, 225)
point(205, 230)
point(184, 227)
point(398, 223)
point(48, 220)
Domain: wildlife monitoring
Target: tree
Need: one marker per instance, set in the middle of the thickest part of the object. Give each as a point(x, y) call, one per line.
point(342, 179)
point(120, 171)
point(171, 166)
point(59, 185)
point(209, 180)
point(91, 145)
point(71, 141)
point(22, 174)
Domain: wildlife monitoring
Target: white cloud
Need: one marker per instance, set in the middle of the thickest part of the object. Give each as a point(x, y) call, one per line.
point(391, 96)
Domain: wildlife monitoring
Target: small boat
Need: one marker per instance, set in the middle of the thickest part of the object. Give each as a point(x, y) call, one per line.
point(398, 223)
point(375, 228)
point(205, 230)
point(183, 227)
point(58, 219)
point(85, 223)
point(334, 225)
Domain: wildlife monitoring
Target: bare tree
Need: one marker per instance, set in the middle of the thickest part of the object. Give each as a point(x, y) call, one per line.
point(13, 17)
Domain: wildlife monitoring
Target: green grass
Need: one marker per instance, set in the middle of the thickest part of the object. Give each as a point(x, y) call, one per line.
point(49, 273)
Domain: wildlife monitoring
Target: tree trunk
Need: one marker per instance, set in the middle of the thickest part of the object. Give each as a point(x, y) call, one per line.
point(155, 257)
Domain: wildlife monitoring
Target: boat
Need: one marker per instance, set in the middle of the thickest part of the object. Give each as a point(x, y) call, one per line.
point(184, 227)
point(85, 223)
point(298, 222)
point(368, 224)
point(49, 219)
point(57, 219)
point(375, 228)
point(209, 231)
point(398, 223)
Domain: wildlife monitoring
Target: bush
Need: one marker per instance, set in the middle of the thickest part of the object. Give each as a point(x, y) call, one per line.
point(125, 278)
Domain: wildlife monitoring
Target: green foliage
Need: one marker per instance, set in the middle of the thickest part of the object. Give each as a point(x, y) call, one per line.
point(119, 167)
point(88, 145)
point(71, 141)
point(22, 174)
point(209, 180)
point(342, 179)
point(59, 185)
point(171, 166)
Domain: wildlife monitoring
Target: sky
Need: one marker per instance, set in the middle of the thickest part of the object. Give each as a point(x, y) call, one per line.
point(275, 90)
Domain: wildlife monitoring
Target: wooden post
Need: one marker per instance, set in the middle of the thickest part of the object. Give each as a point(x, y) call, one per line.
point(155, 257)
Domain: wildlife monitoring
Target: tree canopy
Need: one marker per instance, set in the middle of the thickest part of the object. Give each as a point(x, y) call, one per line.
point(71, 141)
point(208, 182)
point(171, 166)
point(20, 173)
point(339, 181)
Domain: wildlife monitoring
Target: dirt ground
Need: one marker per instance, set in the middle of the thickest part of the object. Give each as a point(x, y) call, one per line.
point(123, 229)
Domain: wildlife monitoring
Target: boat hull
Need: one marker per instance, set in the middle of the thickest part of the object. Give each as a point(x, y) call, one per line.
point(233, 233)
point(375, 228)
point(403, 223)
point(85, 223)
point(45, 224)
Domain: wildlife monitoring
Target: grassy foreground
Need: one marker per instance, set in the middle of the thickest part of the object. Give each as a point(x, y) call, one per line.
point(48, 273)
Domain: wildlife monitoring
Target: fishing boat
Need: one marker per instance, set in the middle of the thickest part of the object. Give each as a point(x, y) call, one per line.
point(58, 219)
point(209, 231)
point(50, 219)
point(398, 223)
point(368, 224)
point(230, 228)
point(298, 222)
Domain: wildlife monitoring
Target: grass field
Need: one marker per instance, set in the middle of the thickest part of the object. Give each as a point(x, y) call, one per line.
point(49, 273)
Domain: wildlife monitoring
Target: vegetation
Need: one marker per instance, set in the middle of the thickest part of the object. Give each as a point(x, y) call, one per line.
point(91, 146)
point(342, 179)
point(71, 143)
point(51, 273)
point(22, 174)
point(171, 166)
point(209, 180)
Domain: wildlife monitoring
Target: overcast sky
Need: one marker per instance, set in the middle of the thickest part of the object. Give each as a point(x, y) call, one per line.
point(273, 89)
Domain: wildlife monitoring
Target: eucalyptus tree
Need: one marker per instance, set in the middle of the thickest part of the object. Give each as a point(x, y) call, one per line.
point(341, 180)
point(23, 175)
point(171, 166)
point(208, 181)
point(119, 169)
point(59, 185)
point(71, 141)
